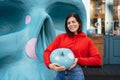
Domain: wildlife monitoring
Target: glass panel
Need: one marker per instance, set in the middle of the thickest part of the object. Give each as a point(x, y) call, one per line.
point(116, 17)
point(97, 19)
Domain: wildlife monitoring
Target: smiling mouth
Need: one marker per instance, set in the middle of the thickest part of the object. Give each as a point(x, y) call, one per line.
point(72, 28)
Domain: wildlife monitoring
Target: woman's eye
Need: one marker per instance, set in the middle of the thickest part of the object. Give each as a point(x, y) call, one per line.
point(68, 22)
point(73, 21)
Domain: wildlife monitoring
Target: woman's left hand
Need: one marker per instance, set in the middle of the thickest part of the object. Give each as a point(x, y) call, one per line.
point(74, 64)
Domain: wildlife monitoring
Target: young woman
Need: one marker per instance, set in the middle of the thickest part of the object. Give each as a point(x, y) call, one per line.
point(86, 54)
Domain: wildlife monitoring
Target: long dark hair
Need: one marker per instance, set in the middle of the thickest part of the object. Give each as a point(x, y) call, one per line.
point(76, 16)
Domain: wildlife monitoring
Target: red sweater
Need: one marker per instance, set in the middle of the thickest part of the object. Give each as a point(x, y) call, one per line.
point(82, 47)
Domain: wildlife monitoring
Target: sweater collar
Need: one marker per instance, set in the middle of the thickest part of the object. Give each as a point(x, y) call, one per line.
point(82, 34)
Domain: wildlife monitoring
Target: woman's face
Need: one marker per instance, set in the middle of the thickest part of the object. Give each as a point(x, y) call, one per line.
point(73, 25)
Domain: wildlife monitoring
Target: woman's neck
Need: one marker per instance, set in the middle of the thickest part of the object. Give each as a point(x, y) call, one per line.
point(75, 33)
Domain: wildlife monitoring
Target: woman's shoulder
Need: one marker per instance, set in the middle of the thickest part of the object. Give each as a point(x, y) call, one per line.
point(89, 39)
point(85, 36)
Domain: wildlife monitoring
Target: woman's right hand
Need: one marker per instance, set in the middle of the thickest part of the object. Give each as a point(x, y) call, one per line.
point(56, 67)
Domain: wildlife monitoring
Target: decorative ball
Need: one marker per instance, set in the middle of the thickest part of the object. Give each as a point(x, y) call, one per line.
point(90, 32)
point(62, 56)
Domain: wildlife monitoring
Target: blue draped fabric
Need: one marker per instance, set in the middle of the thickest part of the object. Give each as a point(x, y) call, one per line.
point(26, 29)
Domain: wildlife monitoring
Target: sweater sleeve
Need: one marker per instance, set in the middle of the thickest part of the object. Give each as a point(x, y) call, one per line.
point(49, 49)
point(93, 59)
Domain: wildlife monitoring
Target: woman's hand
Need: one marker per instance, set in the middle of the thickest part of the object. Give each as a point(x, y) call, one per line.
point(56, 67)
point(74, 64)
